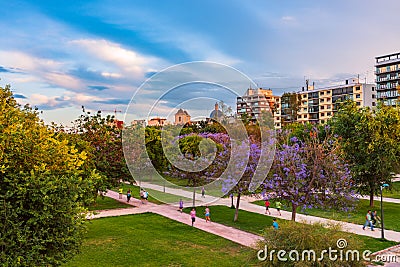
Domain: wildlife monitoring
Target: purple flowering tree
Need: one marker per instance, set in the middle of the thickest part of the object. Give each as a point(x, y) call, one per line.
point(310, 172)
point(250, 166)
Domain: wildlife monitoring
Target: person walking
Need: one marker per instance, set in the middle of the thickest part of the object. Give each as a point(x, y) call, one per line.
point(145, 195)
point(121, 191)
point(142, 195)
point(203, 192)
point(193, 215)
point(267, 204)
point(180, 205)
point(278, 207)
point(207, 214)
point(375, 218)
point(275, 224)
point(128, 195)
point(368, 221)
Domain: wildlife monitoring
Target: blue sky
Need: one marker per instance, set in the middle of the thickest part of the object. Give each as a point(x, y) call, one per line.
point(59, 56)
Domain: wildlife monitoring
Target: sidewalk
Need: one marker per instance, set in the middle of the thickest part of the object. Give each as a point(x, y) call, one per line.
point(235, 235)
point(348, 227)
point(245, 205)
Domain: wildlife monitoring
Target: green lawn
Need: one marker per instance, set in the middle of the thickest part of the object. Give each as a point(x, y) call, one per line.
point(247, 221)
point(183, 184)
point(357, 216)
point(106, 203)
point(256, 223)
point(393, 191)
point(152, 240)
point(153, 194)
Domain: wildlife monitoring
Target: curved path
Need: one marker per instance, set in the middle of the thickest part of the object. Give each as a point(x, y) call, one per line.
point(235, 235)
point(246, 205)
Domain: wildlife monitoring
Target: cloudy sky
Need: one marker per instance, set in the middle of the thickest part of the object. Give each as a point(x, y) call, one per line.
point(59, 56)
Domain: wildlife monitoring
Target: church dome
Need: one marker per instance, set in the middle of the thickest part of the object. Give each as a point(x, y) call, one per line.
point(216, 114)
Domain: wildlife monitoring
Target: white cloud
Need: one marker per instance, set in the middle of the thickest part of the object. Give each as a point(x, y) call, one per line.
point(131, 62)
point(111, 75)
point(288, 19)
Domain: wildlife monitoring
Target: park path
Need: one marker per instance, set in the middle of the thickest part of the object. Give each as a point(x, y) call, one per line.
point(171, 212)
point(246, 205)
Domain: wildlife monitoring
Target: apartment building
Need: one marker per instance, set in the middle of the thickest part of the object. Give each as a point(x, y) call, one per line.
point(387, 71)
point(319, 105)
point(257, 101)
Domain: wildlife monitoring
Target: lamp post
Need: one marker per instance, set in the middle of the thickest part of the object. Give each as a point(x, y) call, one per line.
point(381, 187)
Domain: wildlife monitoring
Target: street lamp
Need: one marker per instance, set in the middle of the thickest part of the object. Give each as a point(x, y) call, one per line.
point(381, 187)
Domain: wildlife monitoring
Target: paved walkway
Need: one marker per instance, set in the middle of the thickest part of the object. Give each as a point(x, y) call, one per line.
point(246, 205)
point(385, 199)
point(348, 227)
point(235, 235)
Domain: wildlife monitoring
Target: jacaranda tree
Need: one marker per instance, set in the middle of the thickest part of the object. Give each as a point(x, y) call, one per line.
point(310, 172)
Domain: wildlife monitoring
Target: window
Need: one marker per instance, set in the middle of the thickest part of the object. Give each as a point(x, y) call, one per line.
point(357, 88)
point(305, 116)
point(321, 93)
point(322, 107)
point(358, 103)
point(322, 114)
point(373, 96)
point(321, 101)
point(328, 106)
point(305, 109)
point(373, 104)
point(328, 92)
point(322, 121)
point(358, 95)
point(304, 96)
point(328, 114)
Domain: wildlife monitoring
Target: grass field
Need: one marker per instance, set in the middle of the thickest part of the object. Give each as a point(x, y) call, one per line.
point(256, 223)
point(393, 191)
point(106, 203)
point(152, 194)
point(152, 240)
point(357, 216)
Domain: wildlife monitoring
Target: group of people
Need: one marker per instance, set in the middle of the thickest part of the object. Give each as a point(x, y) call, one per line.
point(371, 219)
point(193, 213)
point(278, 206)
point(144, 195)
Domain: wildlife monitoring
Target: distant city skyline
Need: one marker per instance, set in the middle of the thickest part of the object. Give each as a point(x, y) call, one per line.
point(59, 56)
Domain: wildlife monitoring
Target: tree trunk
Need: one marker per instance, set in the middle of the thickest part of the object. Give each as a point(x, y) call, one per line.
point(194, 196)
point(237, 208)
point(371, 198)
point(294, 210)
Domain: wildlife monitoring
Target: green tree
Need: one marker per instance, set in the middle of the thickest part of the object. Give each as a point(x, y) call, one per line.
point(105, 139)
point(44, 183)
point(370, 139)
